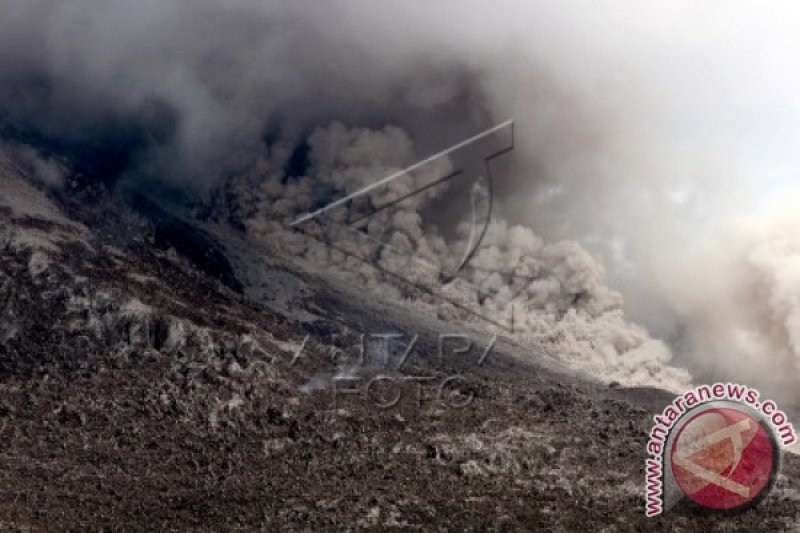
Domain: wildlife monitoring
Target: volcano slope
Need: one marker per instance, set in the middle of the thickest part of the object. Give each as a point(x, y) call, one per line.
point(143, 388)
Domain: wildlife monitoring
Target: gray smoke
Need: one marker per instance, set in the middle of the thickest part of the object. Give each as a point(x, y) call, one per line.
point(643, 132)
point(192, 89)
point(558, 290)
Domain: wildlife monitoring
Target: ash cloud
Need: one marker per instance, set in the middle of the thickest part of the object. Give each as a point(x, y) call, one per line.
point(558, 290)
point(643, 132)
point(189, 91)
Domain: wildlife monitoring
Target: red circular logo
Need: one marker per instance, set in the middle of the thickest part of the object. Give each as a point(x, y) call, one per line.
point(723, 458)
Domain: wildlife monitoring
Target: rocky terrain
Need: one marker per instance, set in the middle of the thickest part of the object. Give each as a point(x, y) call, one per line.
point(162, 375)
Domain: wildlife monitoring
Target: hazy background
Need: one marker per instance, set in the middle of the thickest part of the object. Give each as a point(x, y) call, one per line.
point(664, 137)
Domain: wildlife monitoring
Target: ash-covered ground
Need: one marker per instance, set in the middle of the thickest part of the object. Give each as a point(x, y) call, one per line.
point(162, 374)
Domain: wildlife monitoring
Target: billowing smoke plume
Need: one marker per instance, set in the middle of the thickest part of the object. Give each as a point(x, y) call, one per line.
point(557, 290)
point(643, 132)
point(191, 91)
point(739, 301)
